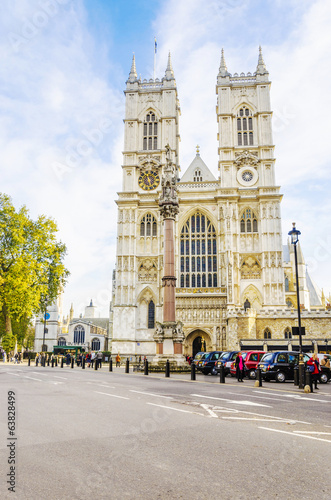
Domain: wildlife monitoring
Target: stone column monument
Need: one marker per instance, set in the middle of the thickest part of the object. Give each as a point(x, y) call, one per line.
point(169, 334)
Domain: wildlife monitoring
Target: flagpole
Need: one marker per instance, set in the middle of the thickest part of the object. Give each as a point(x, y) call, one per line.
point(155, 47)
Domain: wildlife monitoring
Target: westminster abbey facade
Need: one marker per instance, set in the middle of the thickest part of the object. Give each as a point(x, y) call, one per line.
point(235, 279)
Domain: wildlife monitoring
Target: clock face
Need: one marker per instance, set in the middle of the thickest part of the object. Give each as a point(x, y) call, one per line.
point(149, 180)
point(247, 176)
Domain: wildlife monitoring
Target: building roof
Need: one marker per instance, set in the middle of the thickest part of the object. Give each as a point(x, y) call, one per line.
point(198, 164)
point(314, 292)
point(100, 322)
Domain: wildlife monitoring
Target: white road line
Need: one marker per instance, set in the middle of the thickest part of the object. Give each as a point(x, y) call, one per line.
point(15, 374)
point(177, 409)
point(150, 394)
point(57, 376)
point(297, 435)
point(280, 419)
point(43, 374)
point(31, 378)
point(298, 396)
point(253, 419)
point(246, 403)
point(112, 395)
point(251, 396)
point(211, 412)
point(313, 432)
point(107, 386)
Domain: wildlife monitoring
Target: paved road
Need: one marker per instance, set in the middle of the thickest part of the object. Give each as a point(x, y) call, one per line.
point(83, 433)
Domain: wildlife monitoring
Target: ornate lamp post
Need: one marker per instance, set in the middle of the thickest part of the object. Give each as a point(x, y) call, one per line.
point(294, 240)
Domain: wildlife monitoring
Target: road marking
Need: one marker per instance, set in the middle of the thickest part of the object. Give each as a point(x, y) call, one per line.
point(106, 386)
point(57, 376)
point(112, 395)
point(43, 374)
point(313, 432)
point(211, 412)
point(251, 396)
point(31, 378)
point(15, 374)
point(295, 434)
point(150, 394)
point(298, 396)
point(246, 403)
point(176, 409)
point(253, 419)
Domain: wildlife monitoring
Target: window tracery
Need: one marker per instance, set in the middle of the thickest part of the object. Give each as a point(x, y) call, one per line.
point(148, 226)
point(245, 127)
point(198, 253)
point(150, 132)
point(248, 222)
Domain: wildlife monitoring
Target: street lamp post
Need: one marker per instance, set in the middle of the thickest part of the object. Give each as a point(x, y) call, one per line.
point(45, 329)
point(294, 240)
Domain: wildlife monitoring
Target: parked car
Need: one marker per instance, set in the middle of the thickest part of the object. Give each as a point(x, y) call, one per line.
point(208, 363)
point(325, 374)
point(251, 359)
point(199, 356)
point(226, 359)
point(280, 365)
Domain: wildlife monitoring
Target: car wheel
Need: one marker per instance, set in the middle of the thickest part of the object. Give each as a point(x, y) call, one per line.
point(280, 377)
point(252, 374)
point(205, 372)
point(214, 371)
point(324, 378)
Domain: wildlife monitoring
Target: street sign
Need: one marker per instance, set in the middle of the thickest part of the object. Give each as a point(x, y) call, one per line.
point(47, 316)
point(295, 330)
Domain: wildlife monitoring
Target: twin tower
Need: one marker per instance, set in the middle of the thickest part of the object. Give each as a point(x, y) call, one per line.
point(228, 242)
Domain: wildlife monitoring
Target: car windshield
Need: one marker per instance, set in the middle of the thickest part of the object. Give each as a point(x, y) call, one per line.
point(244, 355)
point(200, 355)
point(225, 355)
point(267, 357)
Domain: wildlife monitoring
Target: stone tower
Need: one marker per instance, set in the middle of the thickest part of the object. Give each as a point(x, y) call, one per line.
point(251, 239)
point(151, 122)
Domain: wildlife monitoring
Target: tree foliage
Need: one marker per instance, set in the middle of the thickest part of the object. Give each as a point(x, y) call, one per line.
point(31, 264)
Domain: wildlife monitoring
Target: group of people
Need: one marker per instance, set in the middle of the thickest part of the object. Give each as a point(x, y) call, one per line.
point(315, 369)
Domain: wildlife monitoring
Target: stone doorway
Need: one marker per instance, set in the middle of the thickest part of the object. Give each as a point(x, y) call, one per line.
point(198, 344)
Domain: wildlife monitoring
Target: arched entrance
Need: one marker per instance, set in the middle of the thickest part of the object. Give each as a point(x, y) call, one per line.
point(198, 345)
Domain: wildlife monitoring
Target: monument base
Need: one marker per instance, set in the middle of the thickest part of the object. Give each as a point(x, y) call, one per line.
point(169, 339)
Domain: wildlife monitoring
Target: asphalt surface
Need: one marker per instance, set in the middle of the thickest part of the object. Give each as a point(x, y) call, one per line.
point(86, 433)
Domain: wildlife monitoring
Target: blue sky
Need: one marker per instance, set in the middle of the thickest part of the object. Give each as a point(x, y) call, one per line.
point(63, 69)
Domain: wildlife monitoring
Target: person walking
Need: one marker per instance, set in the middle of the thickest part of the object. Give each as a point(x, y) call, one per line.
point(88, 359)
point(315, 372)
point(118, 360)
point(99, 359)
point(240, 366)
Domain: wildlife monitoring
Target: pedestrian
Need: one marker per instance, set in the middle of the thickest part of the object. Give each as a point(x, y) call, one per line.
point(92, 358)
point(68, 358)
point(99, 359)
point(118, 360)
point(88, 359)
point(325, 363)
point(315, 370)
point(37, 359)
point(16, 359)
point(240, 367)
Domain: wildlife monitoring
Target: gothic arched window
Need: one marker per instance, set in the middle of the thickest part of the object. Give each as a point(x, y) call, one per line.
point(150, 132)
point(151, 314)
point(148, 226)
point(61, 341)
point(198, 253)
point(95, 344)
point(287, 333)
point(287, 287)
point(79, 335)
point(197, 176)
point(267, 333)
point(245, 127)
point(248, 222)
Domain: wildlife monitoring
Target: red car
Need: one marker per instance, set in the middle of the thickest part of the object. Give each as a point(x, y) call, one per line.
point(251, 359)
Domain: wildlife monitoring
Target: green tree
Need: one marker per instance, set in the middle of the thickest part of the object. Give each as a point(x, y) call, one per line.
point(31, 265)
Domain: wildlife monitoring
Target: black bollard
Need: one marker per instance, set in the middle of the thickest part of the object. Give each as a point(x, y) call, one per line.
point(56, 361)
point(296, 377)
point(72, 362)
point(62, 362)
point(48, 362)
point(259, 376)
point(95, 363)
point(29, 361)
point(167, 369)
point(222, 374)
point(52, 362)
point(127, 366)
point(83, 363)
point(309, 380)
point(146, 368)
point(110, 364)
point(192, 371)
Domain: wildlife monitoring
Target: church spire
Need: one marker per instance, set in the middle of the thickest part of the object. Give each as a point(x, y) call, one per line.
point(223, 71)
point(133, 73)
point(169, 74)
point(261, 67)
